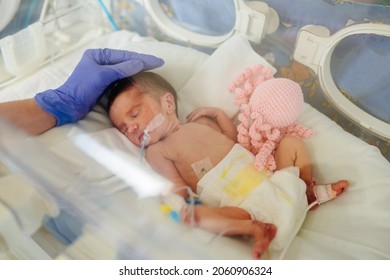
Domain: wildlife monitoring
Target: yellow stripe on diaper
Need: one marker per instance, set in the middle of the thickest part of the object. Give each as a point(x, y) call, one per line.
point(241, 157)
point(243, 181)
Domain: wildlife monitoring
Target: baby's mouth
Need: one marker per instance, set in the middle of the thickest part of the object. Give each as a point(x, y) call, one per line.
point(144, 139)
point(141, 137)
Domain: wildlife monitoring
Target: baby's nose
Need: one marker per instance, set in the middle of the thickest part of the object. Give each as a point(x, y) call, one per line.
point(133, 127)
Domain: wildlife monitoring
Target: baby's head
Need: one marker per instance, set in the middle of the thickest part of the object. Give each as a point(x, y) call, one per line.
point(149, 82)
point(133, 102)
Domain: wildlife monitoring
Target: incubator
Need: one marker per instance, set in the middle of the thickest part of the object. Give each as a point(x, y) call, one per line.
point(79, 191)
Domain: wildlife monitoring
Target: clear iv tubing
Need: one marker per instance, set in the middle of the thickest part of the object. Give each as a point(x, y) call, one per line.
point(283, 253)
point(191, 202)
point(145, 138)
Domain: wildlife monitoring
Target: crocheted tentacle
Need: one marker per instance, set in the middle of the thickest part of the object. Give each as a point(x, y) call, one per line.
point(299, 131)
point(264, 157)
point(242, 137)
point(271, 163)
point(242, 96)
point(260, 74)
point(264, 139)
point(256, 131)
point(242, 88)
point(243, 128)
point(244, 85)
point(273, 134)
point(254, 75)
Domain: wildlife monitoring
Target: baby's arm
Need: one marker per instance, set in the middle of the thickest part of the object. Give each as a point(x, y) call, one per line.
point(218, 116)
point(166, 168)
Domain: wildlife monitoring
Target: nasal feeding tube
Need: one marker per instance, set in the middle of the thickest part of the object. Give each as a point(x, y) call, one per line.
point(152, 125)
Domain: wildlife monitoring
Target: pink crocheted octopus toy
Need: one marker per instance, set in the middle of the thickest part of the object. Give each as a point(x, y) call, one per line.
point(269, 110)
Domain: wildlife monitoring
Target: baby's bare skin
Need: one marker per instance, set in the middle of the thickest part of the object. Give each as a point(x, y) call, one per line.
point(177, 151)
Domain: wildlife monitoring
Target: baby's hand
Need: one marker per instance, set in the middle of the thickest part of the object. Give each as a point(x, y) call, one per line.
point(215, 118)
point(210, 112)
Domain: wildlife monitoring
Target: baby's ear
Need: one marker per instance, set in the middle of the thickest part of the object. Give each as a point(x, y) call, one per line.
point(168, 102)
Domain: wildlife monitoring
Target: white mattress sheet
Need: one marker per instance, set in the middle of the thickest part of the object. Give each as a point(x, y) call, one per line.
point(354, 226)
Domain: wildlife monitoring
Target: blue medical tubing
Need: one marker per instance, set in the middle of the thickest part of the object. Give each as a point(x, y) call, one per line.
point(109, 16)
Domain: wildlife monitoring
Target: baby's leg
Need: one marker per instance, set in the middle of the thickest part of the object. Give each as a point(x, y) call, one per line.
point(292, 151)
point(234, 221)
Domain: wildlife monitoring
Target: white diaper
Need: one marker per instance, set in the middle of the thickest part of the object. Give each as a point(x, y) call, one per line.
point(278, 198)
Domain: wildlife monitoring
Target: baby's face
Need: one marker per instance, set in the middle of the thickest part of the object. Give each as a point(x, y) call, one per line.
point(132, 111)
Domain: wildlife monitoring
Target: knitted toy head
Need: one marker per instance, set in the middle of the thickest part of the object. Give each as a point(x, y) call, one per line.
point(269, 110)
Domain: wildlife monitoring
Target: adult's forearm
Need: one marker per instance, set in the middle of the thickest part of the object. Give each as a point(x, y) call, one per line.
point(27, 115)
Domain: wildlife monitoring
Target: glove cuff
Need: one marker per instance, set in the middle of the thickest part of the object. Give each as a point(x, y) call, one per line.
point(60, 105)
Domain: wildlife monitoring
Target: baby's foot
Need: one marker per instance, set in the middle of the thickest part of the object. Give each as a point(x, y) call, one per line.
point(263, 233)
point(324, 193)
point(340, 186)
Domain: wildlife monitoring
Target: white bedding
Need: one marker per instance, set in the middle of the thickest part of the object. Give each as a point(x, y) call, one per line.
point(354, 226)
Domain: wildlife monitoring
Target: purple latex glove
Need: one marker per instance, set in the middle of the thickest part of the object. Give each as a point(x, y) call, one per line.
point(97, 69)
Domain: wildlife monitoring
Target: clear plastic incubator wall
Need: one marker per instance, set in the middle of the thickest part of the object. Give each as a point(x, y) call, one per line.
point(79, 191)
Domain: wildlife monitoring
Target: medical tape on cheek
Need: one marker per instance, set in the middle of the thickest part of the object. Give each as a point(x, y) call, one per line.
point(152, 125)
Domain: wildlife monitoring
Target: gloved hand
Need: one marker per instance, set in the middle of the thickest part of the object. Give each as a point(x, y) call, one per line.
point(97, 69)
